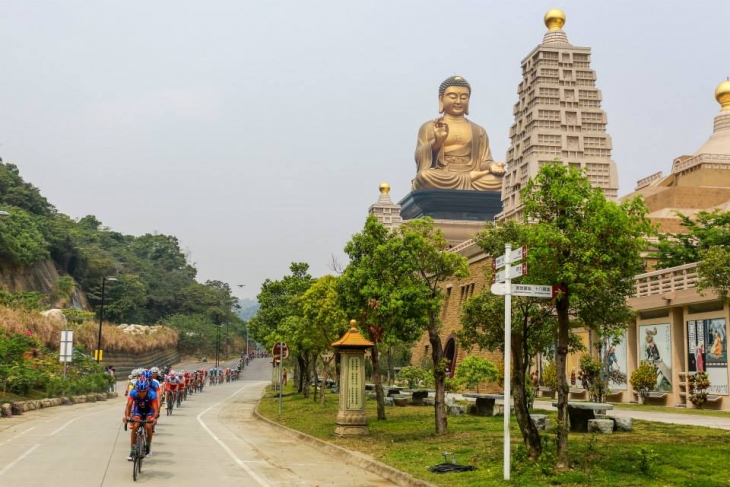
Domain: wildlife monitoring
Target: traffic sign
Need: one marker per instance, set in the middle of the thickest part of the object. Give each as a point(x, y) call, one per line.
point(514, 271)
point(533, 290)
point(527, 290)
point(67, 346)
point(514, 256)
point(276, 351)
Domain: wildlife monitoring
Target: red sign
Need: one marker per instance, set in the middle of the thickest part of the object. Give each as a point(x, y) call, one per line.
point(276, 351)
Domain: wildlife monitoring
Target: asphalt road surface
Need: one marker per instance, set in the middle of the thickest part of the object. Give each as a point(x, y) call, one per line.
point(212, 440)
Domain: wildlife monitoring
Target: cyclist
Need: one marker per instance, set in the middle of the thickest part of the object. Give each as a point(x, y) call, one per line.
point(133, 376)
point(141, 403)
point(172, 385)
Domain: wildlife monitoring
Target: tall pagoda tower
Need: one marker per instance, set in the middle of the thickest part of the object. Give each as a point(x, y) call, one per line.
point(558, 116)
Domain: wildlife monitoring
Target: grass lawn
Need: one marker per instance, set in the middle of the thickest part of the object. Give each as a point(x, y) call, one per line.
point(673, 455)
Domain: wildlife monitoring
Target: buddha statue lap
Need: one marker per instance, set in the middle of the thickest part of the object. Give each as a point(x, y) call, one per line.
point(453, 152)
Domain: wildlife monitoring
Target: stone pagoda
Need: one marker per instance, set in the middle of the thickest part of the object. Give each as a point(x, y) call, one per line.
point(558, 116)
point(387, 212)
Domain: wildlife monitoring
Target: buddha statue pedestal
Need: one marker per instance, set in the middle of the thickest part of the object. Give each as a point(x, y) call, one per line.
point(460, 214)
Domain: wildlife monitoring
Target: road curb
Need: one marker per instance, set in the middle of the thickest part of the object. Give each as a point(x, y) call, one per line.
point(359, 459)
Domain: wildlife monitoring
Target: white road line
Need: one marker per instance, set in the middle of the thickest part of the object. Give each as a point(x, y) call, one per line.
point(21, 457)
point(17, 436)
point(261, 481)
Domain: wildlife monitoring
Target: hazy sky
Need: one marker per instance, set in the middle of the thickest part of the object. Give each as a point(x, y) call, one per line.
point(258, 132)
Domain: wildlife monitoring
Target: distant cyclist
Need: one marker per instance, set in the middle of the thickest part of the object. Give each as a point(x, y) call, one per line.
point(141, 403)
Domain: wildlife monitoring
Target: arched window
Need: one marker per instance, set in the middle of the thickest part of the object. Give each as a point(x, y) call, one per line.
point(450, 354)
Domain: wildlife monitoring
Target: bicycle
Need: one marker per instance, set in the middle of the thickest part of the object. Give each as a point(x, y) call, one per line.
point(178, 398)
point(139, 450)
point(169, 402)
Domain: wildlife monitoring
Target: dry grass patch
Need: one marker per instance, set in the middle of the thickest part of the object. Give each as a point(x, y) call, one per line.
point(48, 332)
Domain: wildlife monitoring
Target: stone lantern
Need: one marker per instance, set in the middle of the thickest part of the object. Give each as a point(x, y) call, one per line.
point(351, 418)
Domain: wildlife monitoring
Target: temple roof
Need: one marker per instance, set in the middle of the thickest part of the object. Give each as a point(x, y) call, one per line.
point(353, 339)
point(719, 141)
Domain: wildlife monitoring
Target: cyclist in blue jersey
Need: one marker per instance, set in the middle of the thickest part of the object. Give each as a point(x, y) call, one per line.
point(142, 403)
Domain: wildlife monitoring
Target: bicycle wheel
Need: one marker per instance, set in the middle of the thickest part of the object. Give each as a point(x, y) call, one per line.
point(134, 468)
point(169, 405)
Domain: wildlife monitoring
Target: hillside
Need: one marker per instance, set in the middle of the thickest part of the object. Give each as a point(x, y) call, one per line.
point(248, 310)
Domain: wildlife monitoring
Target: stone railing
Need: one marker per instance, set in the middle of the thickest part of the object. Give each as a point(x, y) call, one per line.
point(463, 245)
point(641, 183)
point(679, 166)
point(665, 281)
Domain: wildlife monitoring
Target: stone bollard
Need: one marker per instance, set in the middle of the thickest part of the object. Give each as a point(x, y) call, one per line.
point(604, 426)
point(429, 401)
point(6, 410)
point(623, 424)
point(17, 408)
point(100, 397)
point(65, 401)
point(388, 401)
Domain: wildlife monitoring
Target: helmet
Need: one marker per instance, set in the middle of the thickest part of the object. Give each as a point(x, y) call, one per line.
point(142, 384)
point(172, 372)
point(155, 370)
point(147, 374)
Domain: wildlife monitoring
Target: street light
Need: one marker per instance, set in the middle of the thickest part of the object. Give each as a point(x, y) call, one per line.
point(101, 313)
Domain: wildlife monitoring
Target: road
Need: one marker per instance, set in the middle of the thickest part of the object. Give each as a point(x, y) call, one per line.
point(211, 440)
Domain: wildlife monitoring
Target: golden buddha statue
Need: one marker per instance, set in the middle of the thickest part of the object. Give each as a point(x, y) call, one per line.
point(453, 152)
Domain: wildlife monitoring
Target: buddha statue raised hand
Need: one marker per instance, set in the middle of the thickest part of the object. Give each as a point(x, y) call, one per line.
point(453, 152)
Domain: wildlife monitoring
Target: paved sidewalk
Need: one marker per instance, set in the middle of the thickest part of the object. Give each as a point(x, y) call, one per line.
point(660, 417)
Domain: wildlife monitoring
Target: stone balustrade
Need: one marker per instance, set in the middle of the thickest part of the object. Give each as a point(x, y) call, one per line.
point(664, 281)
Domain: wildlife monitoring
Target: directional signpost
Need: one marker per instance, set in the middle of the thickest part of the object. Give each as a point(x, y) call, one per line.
point(503, 286)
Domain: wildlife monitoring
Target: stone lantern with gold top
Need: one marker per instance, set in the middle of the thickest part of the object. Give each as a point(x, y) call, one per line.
point(351, 418)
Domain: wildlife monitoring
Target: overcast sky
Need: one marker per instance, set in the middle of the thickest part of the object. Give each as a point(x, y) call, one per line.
point(257, 132)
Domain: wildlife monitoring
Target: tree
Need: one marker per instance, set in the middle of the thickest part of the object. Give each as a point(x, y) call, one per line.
point(280, 318)
point(430, 266)
point(474, 370)
point(643, 379)
point(590, 247)
point(321, 309)
point(714, 271)
point(705, 231)
point(534, 326)
point(379, 289)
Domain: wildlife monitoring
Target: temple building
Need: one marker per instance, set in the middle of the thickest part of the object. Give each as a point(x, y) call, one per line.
point(697, 182)
point(558, 116)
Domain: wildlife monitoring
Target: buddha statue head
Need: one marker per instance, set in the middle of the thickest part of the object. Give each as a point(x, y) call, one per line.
point(454, 95)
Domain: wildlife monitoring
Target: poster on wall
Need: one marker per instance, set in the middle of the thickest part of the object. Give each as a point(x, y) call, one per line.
point(707, 352)
point(615, 363)
point(655, 346)
point(573, 362)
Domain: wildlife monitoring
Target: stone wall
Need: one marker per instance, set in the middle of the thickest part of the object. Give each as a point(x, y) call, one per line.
point(124, 362)
point(457, 292)
point(7, 410)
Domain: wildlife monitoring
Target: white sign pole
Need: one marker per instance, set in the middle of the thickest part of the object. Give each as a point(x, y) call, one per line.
point(507, 356)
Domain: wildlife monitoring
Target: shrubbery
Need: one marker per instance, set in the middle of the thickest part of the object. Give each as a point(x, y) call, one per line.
point(26, 366)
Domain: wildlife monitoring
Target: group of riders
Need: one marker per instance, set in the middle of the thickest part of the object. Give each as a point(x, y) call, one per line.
point(149, 389)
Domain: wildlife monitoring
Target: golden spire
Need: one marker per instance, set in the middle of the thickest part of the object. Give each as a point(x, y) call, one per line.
point(722, 95)
point(555, 19)
point(384, 188)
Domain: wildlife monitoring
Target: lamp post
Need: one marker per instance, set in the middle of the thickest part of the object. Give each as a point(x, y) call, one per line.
point(101, 314)
point(217, 343)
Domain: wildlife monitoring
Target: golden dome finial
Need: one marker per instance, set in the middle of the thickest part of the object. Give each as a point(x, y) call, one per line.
point(555, 19)
point(722, 95)
point(353, 324)
point(384, 188)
